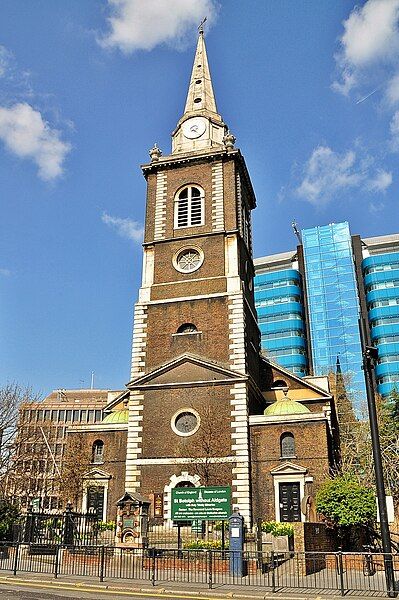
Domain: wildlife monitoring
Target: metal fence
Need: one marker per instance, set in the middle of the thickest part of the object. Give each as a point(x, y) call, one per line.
point(180, 534)
point(68, 528)
point(328, 572)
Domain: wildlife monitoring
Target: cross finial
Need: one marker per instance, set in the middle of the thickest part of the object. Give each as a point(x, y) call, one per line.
point(201, 25)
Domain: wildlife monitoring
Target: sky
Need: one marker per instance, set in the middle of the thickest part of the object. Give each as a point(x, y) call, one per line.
point(309, 88)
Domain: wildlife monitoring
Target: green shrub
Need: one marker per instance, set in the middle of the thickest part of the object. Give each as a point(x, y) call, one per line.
point(277, 529)
point(105, 526)
point(9, 514)
point(344, 502)
point(218, 525)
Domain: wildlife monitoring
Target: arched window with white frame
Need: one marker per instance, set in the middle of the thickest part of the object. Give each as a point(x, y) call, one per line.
point(189, 207)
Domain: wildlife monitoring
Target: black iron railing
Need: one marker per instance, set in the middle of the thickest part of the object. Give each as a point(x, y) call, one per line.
point(328, 571)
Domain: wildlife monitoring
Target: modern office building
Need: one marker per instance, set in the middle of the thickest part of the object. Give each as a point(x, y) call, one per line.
point(309, 301)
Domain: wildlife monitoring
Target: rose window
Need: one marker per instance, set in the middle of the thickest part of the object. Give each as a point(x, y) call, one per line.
point(188, 260)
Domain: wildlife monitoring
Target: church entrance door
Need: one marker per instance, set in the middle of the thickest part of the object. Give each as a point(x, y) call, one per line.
point(290, 504)
point(95, 501)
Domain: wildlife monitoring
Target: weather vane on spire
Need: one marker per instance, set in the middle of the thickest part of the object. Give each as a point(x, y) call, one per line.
point(201, 25)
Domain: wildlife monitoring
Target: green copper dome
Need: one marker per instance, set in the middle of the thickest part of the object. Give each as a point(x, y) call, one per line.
point(286, 406)
point(117, 417)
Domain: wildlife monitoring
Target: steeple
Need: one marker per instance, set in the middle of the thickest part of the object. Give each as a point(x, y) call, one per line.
point(201, 126)
point(200, 95)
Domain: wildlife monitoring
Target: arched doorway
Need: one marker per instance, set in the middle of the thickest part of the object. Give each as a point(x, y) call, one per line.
point(182, 480)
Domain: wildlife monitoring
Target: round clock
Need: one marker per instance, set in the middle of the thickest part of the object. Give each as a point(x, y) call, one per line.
point(194, 128)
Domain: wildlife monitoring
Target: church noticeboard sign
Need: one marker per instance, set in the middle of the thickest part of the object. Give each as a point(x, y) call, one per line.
point(201, 503)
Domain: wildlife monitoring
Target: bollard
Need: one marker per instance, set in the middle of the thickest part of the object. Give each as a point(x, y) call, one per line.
point(273, 572)
point(15, 559)
point(56, 563)
point(102, 555)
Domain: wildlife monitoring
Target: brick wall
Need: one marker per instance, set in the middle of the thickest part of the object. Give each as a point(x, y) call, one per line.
point(311, 445)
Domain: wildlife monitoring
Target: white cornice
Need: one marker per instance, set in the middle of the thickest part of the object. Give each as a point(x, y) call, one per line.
point(272, 420)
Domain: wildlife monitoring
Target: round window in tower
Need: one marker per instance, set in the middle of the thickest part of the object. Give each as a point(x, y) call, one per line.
point(185, 422)
point(188, 260)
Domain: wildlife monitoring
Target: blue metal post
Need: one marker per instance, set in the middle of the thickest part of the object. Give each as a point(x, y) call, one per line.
point(236, 547)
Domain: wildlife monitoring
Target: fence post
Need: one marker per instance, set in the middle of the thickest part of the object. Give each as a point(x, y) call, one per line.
point(210, 569)
point(56, 564)
point(341, 573)
point(259, 542)
point(68, 526)
point(102, 555)
point(153, 566)
point(15, 565)
point(273, 572)
point(179, 543)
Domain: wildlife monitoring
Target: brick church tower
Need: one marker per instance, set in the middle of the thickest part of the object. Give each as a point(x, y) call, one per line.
point(195, 357)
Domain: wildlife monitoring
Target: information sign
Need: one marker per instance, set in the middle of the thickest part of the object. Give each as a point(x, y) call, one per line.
point(201, 503)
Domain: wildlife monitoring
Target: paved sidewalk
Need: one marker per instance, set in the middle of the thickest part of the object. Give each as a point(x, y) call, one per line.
point(171, 589)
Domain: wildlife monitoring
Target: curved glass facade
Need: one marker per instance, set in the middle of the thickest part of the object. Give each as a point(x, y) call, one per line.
point(333, 302)
point(381, 281)
point(278, 299)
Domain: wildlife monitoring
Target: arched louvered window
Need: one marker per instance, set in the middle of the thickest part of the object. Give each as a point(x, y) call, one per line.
point(98, 452)
point(287, 445)
point(189, 207)
point(187, 328)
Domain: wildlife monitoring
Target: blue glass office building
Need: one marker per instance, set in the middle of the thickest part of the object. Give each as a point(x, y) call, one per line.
point(333, 302)
point(381, 280)
point(309, 301)
point(281, 320)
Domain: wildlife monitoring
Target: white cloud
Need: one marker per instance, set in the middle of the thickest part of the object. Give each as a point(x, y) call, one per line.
point(125, 227)
point(380, 182)
point(328, 174)
point(26, 134)
point(347, 84)
point(371, 32)
point(392, 91)
point(394, 128)
point(142, 25)
point(5, 272)
point(5, 56)
point(370, 40)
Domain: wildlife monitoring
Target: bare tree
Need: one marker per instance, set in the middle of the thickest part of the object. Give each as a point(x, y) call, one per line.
point(206, 449)
point(74, 466)
point(14, 434)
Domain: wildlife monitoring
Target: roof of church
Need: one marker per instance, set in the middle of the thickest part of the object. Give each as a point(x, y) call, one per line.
point(286, 406)
point(117, 417)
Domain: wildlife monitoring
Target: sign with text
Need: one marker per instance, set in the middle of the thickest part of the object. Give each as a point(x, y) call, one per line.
point(201, 503)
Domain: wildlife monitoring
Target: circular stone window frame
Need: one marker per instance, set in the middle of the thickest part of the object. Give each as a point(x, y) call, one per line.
point(176, 415)
point(184, 249)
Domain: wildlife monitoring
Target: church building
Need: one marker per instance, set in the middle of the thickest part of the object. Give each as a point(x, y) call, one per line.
point(204, 406)
point(200, 391)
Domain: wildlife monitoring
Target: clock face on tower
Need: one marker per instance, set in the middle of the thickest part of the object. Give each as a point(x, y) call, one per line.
point(194, 127)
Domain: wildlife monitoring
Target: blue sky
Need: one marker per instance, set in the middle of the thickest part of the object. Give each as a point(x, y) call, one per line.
point(309, 88)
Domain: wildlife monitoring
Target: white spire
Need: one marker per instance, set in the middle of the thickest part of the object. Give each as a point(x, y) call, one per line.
point(201, 127)
point(200, 95)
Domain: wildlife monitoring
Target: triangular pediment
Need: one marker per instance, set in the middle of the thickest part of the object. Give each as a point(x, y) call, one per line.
point(119, 401)
point(186, 370)
point(95, 473)
point(299, 388)
point(289, 468)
